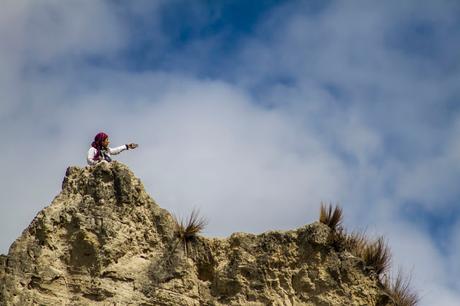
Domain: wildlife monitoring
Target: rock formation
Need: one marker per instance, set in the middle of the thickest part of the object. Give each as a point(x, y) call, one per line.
point(104, 241)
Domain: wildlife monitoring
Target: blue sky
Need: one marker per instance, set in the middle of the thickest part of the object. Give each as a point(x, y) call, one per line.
point(252, 111)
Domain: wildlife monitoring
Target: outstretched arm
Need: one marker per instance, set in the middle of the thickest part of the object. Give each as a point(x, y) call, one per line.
point(120, 149)
point(117, 150)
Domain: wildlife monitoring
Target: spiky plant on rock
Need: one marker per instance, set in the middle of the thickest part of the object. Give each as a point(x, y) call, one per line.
point(188, 229)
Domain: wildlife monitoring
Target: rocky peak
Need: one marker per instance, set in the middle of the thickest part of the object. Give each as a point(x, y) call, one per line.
point(104, 241)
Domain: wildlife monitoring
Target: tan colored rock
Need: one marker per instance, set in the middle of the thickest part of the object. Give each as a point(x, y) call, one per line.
point(104, 241)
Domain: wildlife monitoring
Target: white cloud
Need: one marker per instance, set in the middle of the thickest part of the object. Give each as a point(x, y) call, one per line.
point(431, 180)
point(50, 35)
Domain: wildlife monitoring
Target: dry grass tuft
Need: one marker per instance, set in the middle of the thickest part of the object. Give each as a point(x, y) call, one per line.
point(187, 230)
point(399, 290)
point(355, 242)
point(331, 217)
point(376, 255)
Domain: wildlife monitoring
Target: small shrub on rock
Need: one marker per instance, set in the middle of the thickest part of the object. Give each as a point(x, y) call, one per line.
point(377, 255)
point(331, 217)
point(399, 291)
point(187, 230)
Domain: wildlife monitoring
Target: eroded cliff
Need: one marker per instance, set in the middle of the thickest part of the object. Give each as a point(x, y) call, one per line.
point(104, 241)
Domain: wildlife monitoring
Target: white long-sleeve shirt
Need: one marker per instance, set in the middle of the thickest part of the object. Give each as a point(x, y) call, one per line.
point(111, 151)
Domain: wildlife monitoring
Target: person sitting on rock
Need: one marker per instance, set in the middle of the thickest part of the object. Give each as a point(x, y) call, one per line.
point(101, 152)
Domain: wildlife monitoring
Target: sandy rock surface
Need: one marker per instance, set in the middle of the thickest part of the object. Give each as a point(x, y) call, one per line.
point(104, 241)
